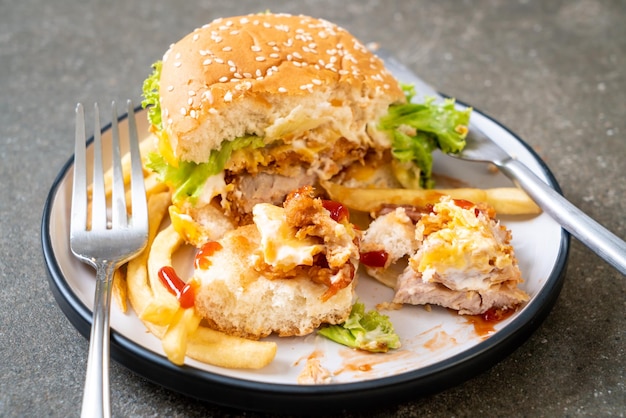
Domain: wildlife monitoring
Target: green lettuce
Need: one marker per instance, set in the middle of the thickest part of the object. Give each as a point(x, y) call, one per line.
point(188, 177)
point(417, 129)
point(369, 331)
point(151, 96)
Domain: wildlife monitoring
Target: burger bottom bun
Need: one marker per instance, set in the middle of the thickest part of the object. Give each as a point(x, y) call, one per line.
point(235, 298)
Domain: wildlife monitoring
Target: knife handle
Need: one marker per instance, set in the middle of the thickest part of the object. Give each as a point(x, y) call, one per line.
point(599, 239)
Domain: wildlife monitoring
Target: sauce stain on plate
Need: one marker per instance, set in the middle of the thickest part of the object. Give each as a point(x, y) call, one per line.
point(359, 361)
point(440, 340)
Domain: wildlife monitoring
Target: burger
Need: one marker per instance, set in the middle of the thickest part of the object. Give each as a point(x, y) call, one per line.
point(250, 108)
point(251, 114)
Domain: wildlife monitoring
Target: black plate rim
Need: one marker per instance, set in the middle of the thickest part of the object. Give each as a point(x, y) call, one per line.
point(275, 397)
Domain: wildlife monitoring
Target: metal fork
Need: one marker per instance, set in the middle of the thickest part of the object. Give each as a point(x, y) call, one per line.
point(482, 148)
point(105, 244)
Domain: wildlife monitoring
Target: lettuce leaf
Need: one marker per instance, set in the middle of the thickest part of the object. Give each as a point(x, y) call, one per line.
point(417, 129)
point(188, 177)
point(369, 331)
point(151, 96)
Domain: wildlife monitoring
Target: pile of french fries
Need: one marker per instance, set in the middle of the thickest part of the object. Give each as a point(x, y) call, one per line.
point(181, 330)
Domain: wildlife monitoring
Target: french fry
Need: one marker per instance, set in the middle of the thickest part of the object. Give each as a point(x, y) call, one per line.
point(139, 290)
point(214, 347)
point(164, 245)
point(119, 289)
point(505, 201)
point(174, 341)
point(164, 306)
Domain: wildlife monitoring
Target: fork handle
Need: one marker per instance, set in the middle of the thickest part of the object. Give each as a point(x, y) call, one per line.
point(599, 239)
point(96, 395)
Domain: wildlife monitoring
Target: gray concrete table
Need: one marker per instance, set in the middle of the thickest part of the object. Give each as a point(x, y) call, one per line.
point(553, 72)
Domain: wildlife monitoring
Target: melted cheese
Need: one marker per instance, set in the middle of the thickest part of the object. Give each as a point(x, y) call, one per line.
point(459, 248)
point(214, 186)
point(279, 245)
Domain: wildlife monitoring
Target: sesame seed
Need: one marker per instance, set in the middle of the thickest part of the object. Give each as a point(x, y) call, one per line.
point(207, 61)
point(193, 114)
point(191, 93)
point(190, 101)
point(274, 55)
point(195, 37)
point(170, 88)
point(316, 82)
point(227, 49)
point(213, 111)
point(231, 63)
point(255, 48)
point(228, 97)
point(223, 79)
point(258, 72)
point(260, 59)
point(219, 60)
point(183, 111)
point(282, 90)
point(178, 64)
point(208, 96)
point(247, 75)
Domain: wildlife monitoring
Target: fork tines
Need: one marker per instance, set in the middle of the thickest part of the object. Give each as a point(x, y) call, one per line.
point(100, 218)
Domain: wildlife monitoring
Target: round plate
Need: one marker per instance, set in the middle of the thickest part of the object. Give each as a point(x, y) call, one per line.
point(439, 348)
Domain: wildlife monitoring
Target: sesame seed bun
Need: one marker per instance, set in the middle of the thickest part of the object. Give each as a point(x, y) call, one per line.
point(275, 76)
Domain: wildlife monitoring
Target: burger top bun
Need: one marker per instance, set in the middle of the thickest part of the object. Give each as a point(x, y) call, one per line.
point(252, 75)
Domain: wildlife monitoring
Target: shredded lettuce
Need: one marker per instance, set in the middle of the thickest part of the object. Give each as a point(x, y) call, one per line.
point(417, 129)
point(188, 177)
point(151, 96)
point(370, 331)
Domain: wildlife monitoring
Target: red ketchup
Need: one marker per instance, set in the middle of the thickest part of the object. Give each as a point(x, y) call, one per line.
point(184, 292)
point(337, 211)
point(466, 204)
point(374, 258)
point(203, 257)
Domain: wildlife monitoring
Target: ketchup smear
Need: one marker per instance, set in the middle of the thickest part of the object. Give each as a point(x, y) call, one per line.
point(374, 258)
point(484, 324)
point(184, 292)
point(202, 259)
point(337, 211)
point(466, 204)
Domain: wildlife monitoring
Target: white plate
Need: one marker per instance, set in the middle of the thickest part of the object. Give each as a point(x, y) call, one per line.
point(439, 348)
